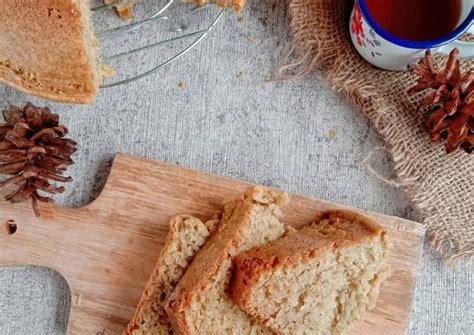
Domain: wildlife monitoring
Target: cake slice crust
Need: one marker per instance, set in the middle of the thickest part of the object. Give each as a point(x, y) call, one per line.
point(186, 236)
point(200, 303)
point(317, 280)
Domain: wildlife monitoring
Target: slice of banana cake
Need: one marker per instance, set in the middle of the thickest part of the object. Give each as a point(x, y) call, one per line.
point(317, 280)
point(186, 236)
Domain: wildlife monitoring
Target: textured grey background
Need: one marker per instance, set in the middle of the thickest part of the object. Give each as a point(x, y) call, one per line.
point(299, 136)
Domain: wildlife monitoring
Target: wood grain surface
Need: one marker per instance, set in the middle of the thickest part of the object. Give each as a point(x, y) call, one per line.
point(107, 249)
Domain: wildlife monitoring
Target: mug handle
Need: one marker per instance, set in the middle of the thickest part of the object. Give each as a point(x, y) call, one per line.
point(466, 49)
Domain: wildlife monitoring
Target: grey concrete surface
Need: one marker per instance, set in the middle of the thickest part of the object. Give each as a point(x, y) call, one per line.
point(300, 136)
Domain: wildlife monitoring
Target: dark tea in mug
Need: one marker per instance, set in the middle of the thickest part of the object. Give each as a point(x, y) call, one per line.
point(416, 20)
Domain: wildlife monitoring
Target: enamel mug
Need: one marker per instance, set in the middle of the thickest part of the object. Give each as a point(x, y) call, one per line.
point(386, 51)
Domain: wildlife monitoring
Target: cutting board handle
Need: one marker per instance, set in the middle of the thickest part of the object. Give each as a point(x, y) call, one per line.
point(49, 240)
point(28, 240)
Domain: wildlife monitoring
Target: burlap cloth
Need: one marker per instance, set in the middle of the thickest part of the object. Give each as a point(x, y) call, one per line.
point(439, 185)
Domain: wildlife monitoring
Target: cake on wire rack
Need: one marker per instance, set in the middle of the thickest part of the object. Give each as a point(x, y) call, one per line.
point(58, 52)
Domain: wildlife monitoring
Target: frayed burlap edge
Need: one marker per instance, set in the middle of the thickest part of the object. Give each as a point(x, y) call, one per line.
point(439, 185)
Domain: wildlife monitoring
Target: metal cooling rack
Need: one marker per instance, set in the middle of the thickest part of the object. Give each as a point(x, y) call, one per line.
point(171, 23)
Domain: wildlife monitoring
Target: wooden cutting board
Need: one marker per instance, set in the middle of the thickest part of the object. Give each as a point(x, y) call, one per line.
point(107, 250)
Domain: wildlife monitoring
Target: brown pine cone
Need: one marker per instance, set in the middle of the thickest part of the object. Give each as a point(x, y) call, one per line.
point(34, 152)
point(450, 105)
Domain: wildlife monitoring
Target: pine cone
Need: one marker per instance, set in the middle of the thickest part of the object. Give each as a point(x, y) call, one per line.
point(33, 150)
point(450, 107)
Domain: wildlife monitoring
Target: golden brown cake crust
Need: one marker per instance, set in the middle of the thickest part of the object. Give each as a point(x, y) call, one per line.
point(204, 267)
point(344, 228)
point(43, 51)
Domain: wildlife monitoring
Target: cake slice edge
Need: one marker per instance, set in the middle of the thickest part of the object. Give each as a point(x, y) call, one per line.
point(259, 283)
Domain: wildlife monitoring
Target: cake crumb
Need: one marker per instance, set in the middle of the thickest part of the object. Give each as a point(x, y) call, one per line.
point(241, 75)
point(106, 71)
point(181, 85)
point(252, 39)
point(124, 10)
point(332, 133)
